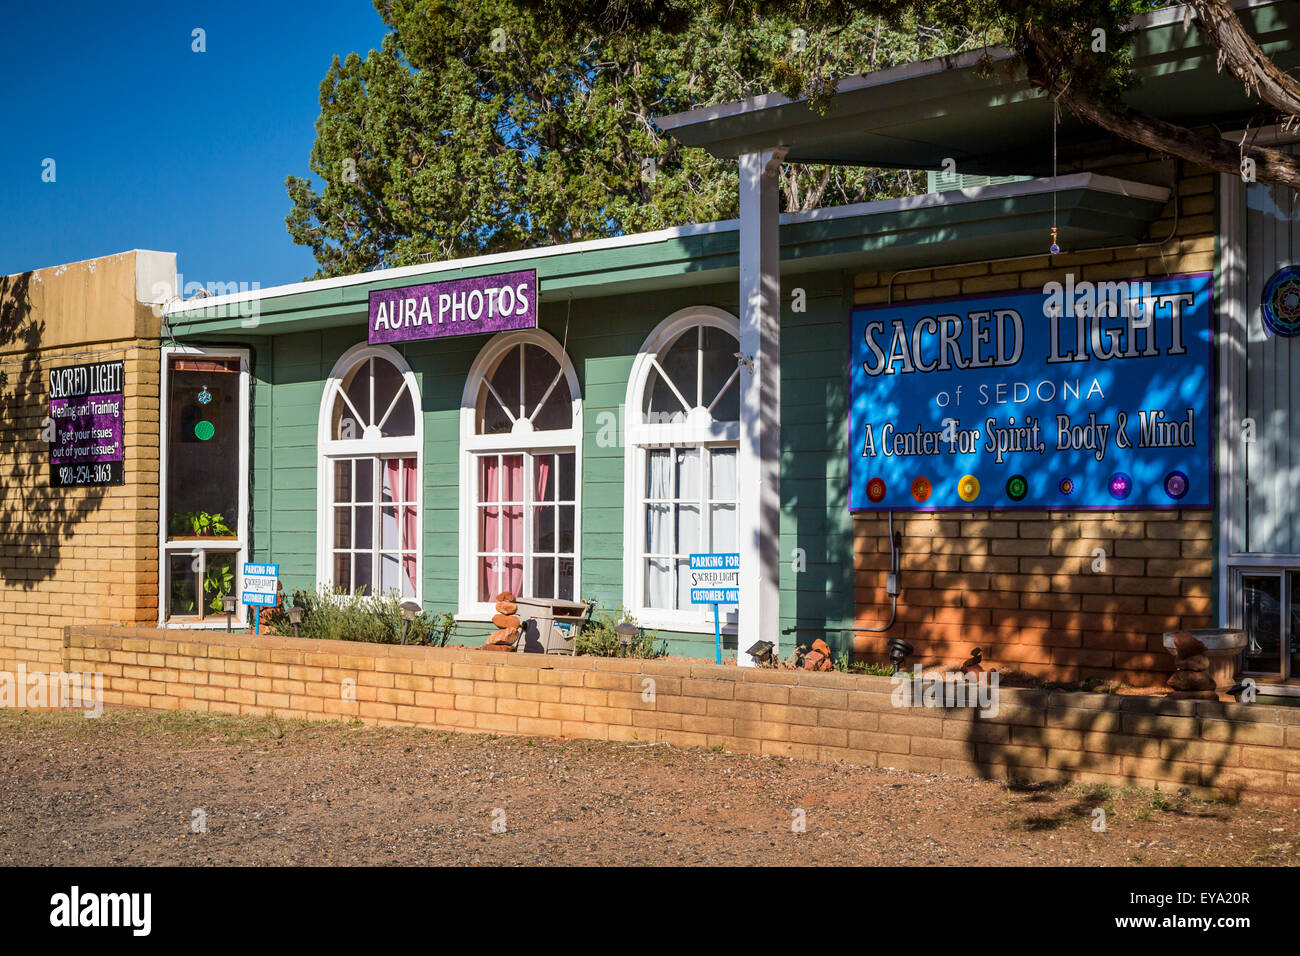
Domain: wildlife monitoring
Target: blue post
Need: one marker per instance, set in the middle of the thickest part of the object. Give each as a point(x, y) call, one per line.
point(717, 633)
point(257, 621)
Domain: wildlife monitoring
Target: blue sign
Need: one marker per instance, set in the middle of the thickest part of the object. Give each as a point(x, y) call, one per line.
point(1076, 396)
point(715, 578)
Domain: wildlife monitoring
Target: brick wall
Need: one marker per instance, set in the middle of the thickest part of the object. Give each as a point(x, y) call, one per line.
point(76, 555)
point(1020, 585)
point(1214, 749)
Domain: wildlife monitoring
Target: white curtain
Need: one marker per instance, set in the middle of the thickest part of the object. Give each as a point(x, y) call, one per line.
point(659, 528)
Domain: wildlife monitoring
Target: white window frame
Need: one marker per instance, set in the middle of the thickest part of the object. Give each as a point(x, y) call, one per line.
point(240, 544)
point(697, 430)
point(522, 439)
point(329, 449)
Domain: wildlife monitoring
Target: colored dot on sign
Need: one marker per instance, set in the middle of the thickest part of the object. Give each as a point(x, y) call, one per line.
point(1176, 484)
point(1066, 486)
point(204, 430)
point(1017, 487)
point(1121, 485)
point(875, 490)
point(968, 488)
point(921, 489)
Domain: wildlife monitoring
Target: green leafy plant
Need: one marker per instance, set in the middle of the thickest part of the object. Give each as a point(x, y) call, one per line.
point(200, 524)
point(842, 663)
point(597, 637)
point(218, 581)
point(337, 615)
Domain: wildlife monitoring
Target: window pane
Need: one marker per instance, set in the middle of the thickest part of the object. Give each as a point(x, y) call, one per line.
point(544, 577)
point(357, 387)
point(540, 369)
point(342, 527)
point(512, 529)
point(364, 529)
point(401, 420)
point(364, 578)
point(566, 529)
point(557, 413)
point(1294, 633)
point(487, 579)
point(680, 361)
point(182, 586)
point(722, 528)
point(389, 538)
point(659, 585)
point(565, 461)
point(343, 480)
point(566, 580)
point(512, 487)
point(722, 476)
point(728, 407)
point(204, 412)
point(390, 575)
point(512, 567)
point(489, 522)
point(492, 419)
point(688, 529)
point(365, 480)
point(659, 477)
point(658, 529)
point(544, 478)
point(488, 478)
point(505, 379)
point(408, 575)
point(388, 381)
point(688, 473)
point(544, 529)
point(343, 571)
point(345, 427)
point(719, 358)
point(1262, 618)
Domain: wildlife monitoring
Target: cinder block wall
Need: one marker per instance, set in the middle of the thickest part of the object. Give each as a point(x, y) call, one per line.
point(1019, 584)
point(1218, 750)
point(76, 555)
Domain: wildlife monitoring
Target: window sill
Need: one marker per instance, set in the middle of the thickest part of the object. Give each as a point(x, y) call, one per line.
point(648, 622)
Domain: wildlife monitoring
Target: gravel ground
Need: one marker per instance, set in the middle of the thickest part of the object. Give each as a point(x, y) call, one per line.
point(123, 789)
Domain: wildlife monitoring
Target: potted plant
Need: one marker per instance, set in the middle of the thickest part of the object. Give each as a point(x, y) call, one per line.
point(191, 525)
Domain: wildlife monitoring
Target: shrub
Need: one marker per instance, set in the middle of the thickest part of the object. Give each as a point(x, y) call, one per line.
point(330, 615)
point(597, 638)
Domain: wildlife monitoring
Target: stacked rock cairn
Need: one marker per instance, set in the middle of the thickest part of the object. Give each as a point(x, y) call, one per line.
point(1191, 678)
point(507, 624)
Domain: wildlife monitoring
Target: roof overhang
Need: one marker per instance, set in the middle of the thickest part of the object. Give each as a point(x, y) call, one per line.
point(919, 114)
point(916, 231)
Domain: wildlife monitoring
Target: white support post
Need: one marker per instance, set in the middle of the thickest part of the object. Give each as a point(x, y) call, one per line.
point(760, 402)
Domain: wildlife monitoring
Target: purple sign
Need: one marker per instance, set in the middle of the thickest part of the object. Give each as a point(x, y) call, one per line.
point(495, 303)
point(87, 413)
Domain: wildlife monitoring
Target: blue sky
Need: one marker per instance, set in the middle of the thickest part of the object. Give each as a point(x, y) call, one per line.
point(156, 146)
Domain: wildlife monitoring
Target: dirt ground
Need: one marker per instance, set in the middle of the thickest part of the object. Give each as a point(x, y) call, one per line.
point(133, 787)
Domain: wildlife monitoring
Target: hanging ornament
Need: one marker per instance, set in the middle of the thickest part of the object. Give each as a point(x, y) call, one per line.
point(205, 396)
point(1280, 303)
point(1053, 248)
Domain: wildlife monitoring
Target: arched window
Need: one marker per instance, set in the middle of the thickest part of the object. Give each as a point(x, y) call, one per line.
point(680, 483)
point(521, 428)
point(369, 475)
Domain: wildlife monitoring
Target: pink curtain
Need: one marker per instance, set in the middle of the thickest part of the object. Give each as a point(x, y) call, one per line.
point(401, 477)
point(543, 473)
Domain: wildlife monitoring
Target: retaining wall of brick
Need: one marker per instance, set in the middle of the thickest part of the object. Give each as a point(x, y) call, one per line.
point(1250, 752)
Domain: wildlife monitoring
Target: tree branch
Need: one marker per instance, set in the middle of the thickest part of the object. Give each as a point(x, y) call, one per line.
point(1203, 149)
point(1244, 59)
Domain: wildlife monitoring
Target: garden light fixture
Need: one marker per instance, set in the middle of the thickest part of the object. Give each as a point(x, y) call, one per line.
point(295, 617)
point(898, 651)
point(626, 635)
point(762, 652)
point(228, 606)
point(410, 609)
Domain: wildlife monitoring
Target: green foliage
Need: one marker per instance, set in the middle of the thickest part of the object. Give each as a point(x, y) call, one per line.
point(335, 615)
point(597, 638)
point(218, 581)
point(194, 523)
point(842, 663)
point(488, 125)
